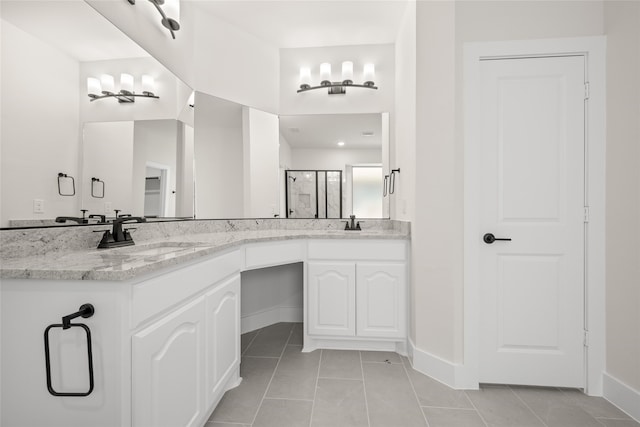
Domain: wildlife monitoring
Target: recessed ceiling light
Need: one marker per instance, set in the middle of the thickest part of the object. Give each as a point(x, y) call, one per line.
point(367, 133)
point(340, 143)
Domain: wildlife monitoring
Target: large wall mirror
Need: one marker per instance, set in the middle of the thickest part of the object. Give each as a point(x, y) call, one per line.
point(184, 155)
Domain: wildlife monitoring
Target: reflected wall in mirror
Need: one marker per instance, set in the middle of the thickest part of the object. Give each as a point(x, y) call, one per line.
point(236, 160)
point(49, 48)
point(356, 145)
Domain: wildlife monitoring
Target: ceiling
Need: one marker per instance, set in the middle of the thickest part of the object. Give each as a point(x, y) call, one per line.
point(73, 27)
point(312, 23)
point(325, 130)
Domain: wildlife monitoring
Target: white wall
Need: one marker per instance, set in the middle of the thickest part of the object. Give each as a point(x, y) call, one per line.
point(185, 172)
point(108, 155)
point(285, 153)
point(261, 136)
point(355, 100)
point(235, 65)
point(622, 26)
point(218, 152)
point(154, 141)
point(40, 128)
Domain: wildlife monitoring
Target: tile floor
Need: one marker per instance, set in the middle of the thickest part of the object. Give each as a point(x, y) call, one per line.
point(283, 387)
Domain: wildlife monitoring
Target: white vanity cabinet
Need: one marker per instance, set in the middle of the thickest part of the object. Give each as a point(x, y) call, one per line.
point(168, 371)
point(331, 299)
point(183, 362)
point(356, 294)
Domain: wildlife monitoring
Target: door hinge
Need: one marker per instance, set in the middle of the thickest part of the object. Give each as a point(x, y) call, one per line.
point(585, 340)
point(586, 214)
point(586, 90)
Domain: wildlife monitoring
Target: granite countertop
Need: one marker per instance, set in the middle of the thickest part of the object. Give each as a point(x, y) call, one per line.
point(129, 262)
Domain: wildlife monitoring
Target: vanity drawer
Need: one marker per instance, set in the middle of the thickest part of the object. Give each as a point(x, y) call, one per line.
point(273, 253)
point(357, 250)
point(170, 289)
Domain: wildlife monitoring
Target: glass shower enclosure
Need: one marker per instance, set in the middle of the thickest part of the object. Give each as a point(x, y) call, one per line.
point(313, 193)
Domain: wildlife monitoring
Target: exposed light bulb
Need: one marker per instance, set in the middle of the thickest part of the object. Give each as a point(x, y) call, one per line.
point(325, 73)
point(108, 86)
point(347, 72)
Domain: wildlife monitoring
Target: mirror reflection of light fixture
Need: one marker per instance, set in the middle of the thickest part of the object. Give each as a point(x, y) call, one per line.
point(337, 88)
point(105, 88)
point(172, 8)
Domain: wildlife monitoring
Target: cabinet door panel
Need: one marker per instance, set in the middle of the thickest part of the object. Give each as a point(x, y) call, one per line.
point(331, 302)
point(381, 303)
point(168, 370)
point(223, 335)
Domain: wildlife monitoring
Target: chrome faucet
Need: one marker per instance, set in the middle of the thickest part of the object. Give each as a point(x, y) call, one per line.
point(353, 226)
point(119, 236)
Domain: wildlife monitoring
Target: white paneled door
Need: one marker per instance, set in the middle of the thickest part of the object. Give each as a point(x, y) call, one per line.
point(532, 163)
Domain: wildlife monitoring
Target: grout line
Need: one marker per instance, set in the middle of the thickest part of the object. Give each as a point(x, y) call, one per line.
point(288, 398)
point(364, 388)
point(315, 390)
point(263, 357)
point(383, 363)
point(528, 407)
point(284, 347)
point(250, 342)
point(338, 378)
point(447, 407)
point(415, 393)
point(474, 407)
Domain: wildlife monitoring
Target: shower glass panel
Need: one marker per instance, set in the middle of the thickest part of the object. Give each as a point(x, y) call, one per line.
point(313, 193)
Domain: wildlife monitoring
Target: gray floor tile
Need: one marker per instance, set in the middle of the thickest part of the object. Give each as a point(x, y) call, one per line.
point(296, 375)
point(341, 364)
point(340, 403)
point(380, 356)
point(245, 340)
point(433, 393)
point(390, 397)
point(608, 422)
point(215, 424)
point(554, 408)
point(239, 405)
point(270, 341)
point(284, 413)
point(596, 406)
point(499, 406)
point(446, 417)
point(296, 335)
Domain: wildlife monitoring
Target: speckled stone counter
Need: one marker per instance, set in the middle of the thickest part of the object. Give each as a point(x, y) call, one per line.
point(69, 253)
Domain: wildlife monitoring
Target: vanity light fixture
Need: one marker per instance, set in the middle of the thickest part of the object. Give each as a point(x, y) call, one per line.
point(105, 88)
point(337, 88)
point(173, 9)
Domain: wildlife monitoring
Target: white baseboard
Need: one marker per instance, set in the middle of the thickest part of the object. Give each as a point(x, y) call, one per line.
point(251, 322)
point(621, 395)
point(433, 366)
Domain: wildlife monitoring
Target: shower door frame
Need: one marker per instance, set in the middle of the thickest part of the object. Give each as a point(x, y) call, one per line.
point(326, 193)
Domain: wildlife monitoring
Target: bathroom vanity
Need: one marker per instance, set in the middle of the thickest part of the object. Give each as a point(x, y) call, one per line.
point(166, 328)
